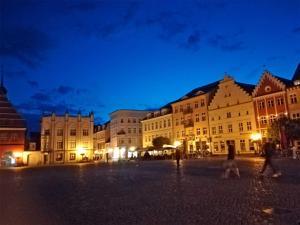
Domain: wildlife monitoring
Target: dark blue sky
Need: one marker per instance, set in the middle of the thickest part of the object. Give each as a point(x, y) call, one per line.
point(104, 55)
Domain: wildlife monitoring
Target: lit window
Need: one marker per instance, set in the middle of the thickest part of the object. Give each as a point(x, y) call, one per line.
point(220, 129)
point(59, 145)
point(72, 156)
point(230, 128)
point(241, 128)
point(198, 131)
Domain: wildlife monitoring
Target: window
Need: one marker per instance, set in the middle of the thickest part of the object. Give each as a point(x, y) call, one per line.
point(85, 132)
point(242, 145)
point(293, 99)
point(156, 125)
point(204, 130)
point(230, 128)
point(47, 132)
point(129, 130)
point(148, 126)
point(263, 120)
point(270, 103)
point(129, 121)
point(73, 144)
point(177, 134)
point(145, 128)
point(73, 132)
point(181, 120)
point(134, 120)
point(122, 121)
point(140, 130)
point(152, 126)
point(72, 156)
point(182, 133)
point(251, 145)
point(176, 109)
point(169, 122)
point(279, 101)
point(196, 105)
point(220, 129)
point(213, 130)
point(59, 145)
point(249, 127)
point(241, 128)
point(160, 124)
point(247, 112)
point(59, 157)
point(261, 105)
point(203, 118)
point(213, 119)
point(198, 131)
point(216, 146)
point(272, 118)
point(165, 123)
point(129, 140)
point(180, 108)
point(197, 118)
point(222, 146)
point(296, 115)
point(202, 102)
point(134, 130)
point(59, 132)
point(229, 115)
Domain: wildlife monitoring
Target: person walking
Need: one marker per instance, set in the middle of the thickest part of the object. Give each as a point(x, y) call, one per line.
point(230, 164)
point(177, 156)
point(268, 150)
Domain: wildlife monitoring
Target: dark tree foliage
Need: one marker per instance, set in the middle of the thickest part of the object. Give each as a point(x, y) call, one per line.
point(291, 128)
point(160, 141)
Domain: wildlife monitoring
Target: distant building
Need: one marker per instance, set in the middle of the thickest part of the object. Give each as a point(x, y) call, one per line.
point(293, 96)
point(126, 133)
point(67, 139)
point(157, 124)
point(101, 140)
point(12, 131)
point(190, 119)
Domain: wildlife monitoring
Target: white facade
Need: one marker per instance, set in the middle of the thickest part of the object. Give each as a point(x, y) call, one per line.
point(67, 138)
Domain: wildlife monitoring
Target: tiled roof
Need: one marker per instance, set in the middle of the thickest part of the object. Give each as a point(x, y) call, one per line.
point(297, 73)
point(247, 87)
point(288, 83)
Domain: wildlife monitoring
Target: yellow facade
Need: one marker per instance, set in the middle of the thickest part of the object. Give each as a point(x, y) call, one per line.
point(190, 122)
point(157, 124)
point(232, 117)
point(67, 139)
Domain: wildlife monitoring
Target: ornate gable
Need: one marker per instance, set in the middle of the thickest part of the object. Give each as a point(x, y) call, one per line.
point(268, 84)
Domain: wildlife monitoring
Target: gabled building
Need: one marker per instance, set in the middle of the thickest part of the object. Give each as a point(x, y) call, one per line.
point(101, 140)
point(190, 119)
point(231, 117)
point(12, 131)
point(270, 100)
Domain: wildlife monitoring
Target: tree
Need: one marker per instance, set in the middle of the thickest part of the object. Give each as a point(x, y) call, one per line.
point(291, 128)
point(159, 142)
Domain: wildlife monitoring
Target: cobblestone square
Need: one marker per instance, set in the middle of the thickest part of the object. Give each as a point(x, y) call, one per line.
point(150, 192)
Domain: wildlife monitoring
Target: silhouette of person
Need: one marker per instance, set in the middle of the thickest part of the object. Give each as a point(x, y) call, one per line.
point(177, 156)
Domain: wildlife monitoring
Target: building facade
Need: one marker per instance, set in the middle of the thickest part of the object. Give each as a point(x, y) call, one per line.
point(232, 117)
point(190, 119)
point(12, 131)
point(157, 124)
point(270, 100)
point(101, 140)
point(126, 133)
point(293, 96)
point(67, 139)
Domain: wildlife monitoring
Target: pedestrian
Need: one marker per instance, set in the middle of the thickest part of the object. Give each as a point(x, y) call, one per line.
point(177, 156)
point(294, 149)
point(268, 149)
point(230, 164)
point(106, 157)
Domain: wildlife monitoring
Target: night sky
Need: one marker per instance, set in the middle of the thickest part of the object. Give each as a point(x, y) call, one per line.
point(104, 55)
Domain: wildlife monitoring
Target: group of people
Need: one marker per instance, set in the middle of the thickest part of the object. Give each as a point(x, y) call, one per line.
point(231, 166)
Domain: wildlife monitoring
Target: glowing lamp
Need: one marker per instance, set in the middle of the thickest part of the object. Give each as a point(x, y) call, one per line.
point(255, 136)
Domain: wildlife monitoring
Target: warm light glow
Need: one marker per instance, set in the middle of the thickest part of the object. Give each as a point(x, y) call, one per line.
point(81, 150)
point(17, 154)
point(132, 148)
point(177, 143)
point(255, 136)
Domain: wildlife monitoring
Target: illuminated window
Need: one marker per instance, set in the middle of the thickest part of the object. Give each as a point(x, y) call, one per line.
point(242, 145)
point(249, 127)
point(198, 131)
point(216, 146)
point(204, 130)
point(72, 156)
point(59, 157)
point(263, 120)
point(73, 144)
point(272, 118)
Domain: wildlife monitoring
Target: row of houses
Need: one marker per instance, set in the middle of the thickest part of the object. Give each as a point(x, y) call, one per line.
point(201, 120)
